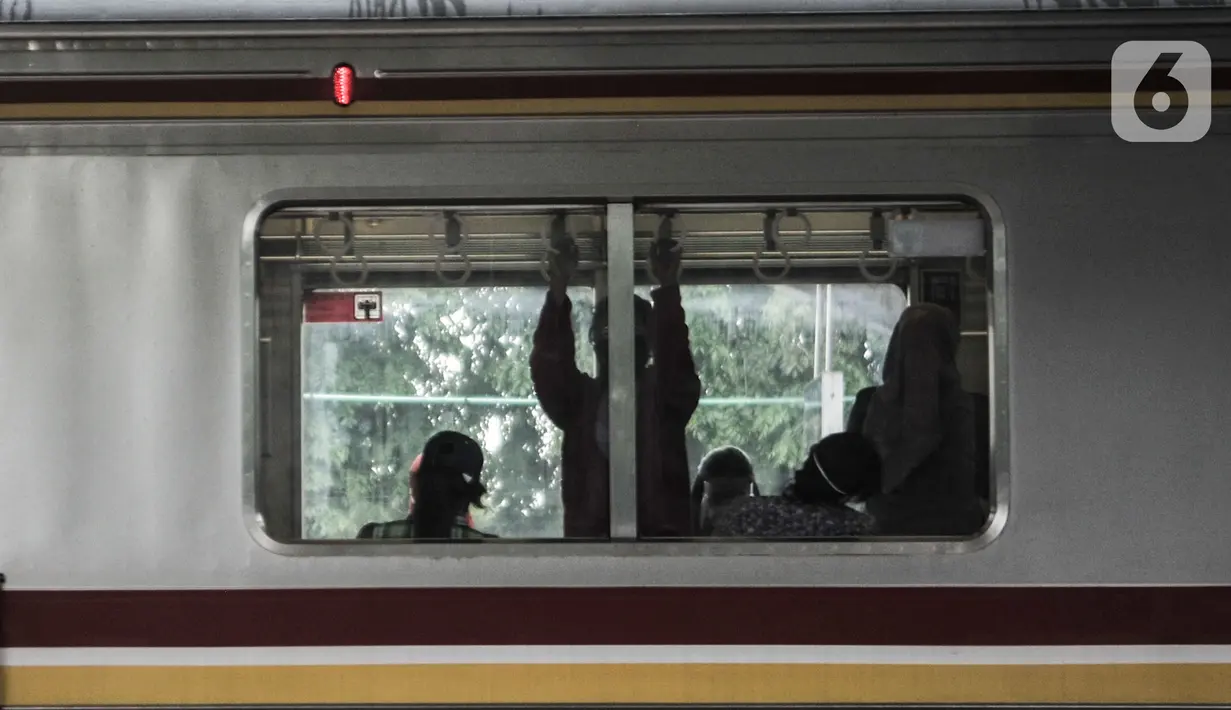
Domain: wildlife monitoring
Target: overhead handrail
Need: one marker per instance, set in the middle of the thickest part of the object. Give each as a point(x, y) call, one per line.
point(446, 251)
point(456, 236)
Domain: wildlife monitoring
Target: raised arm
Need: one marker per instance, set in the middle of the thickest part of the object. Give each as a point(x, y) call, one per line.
point(678, 383)
point(553, 361)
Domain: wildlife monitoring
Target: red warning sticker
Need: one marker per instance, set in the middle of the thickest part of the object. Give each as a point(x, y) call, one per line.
point(363, 307)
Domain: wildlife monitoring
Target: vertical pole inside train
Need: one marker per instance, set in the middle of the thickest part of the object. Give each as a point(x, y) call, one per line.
point(825, 379)
point(622, 415)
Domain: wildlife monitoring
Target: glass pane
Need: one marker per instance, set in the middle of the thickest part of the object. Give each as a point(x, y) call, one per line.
point(441, 359)
point(804, 425)
point(757, 350)
point(414, 366)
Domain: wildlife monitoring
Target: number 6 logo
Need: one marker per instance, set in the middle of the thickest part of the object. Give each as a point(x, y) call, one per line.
point(1175, 76)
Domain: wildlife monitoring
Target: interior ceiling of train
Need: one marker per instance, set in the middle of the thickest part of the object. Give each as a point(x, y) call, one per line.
point(276, 10)
point(516, 239)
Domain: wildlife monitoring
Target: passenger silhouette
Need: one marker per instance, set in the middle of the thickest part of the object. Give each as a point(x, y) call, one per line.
point(445, 484)
point(922, 424)
point(725, 475)
point(840, 469)
point(667, 394)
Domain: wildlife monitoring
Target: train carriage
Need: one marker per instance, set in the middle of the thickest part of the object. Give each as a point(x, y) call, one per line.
point(251, 267)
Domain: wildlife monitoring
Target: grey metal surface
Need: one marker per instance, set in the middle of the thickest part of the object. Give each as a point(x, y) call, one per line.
point(126, 423)
point(340, 145)
point(1108, 401)
point(201, 10)
point(445, 49)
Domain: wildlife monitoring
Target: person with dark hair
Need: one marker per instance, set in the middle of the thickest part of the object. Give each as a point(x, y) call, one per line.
point(667, 394)
point(725, 475)
point(922, 424)
point(840, 469)
point(444, 484)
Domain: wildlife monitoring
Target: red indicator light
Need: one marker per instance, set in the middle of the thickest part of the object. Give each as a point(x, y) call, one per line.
point(343, 85)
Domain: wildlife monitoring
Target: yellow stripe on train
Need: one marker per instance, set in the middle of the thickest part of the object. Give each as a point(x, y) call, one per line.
point(616, 683)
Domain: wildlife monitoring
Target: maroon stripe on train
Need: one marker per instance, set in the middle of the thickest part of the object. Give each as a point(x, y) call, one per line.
point(616, 85)
point(988, 616)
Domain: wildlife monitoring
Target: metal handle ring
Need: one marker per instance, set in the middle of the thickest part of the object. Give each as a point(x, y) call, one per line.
point(337, 278)
point(776, 225)
point(665, 220)
point(440, 274)
point(863, 269)
point(443, 249)
point(348, 234)
point(756, 265)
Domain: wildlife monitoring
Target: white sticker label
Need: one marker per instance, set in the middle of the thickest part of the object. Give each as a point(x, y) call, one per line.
point(367, 306)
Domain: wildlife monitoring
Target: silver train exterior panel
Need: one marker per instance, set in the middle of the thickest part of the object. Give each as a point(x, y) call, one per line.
point(124, 361)
point(127, 361)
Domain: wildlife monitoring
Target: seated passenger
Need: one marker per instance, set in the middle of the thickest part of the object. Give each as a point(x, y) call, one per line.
point(725, 475)
point(667, 394)
point(840, 469)
point(983, 438)
point(922, 424)
point(445, 484)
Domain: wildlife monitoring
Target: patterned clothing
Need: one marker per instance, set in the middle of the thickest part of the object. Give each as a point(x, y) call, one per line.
point(779, 516)
point(405, 530)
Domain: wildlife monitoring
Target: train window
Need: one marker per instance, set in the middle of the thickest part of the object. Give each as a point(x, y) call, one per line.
point(709, 372)
point(400, 346)
point(797, 429)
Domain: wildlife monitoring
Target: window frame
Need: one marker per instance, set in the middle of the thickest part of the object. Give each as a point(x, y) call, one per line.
point(621, 281)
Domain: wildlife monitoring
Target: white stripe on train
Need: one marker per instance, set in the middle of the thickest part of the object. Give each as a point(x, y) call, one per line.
point(462, 655)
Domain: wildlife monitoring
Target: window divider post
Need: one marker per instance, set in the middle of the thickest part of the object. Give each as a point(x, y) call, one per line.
point(622, 391)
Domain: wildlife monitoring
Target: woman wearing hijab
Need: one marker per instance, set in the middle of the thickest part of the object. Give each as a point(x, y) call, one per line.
point(922, 424)
point(840, 469)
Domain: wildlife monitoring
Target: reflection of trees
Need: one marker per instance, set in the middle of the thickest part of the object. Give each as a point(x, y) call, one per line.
point(16, 10)
point(747, 342)
point(473, 342)
point(401, 9)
